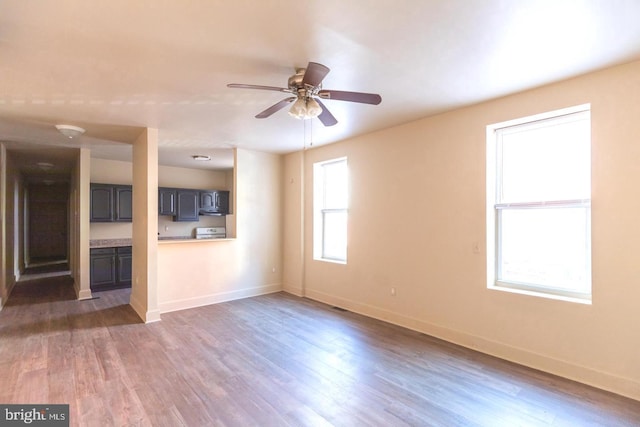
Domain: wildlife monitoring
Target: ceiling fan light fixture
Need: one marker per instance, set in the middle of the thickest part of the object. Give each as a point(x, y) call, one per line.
point(70, 131)
point(313, 108)
point(298, 109)
point(305, 109)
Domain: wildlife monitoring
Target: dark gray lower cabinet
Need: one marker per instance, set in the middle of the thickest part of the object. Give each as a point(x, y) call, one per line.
point(123, 264)
point(110, 268)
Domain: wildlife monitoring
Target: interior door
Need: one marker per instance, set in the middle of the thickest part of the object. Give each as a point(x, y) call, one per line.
point(48, 223)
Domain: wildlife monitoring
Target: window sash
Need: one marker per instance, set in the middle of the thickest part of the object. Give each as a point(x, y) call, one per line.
point(334, 240)
point(498, 207)
point(534, 264)
point(330, 210)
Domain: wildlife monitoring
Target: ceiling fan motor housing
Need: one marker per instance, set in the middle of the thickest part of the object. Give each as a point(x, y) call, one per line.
point(295, 81)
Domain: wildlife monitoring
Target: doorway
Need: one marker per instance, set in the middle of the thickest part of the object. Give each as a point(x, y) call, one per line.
point(48, 225)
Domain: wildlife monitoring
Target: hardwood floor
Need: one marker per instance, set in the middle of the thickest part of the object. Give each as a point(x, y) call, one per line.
point(274, 360)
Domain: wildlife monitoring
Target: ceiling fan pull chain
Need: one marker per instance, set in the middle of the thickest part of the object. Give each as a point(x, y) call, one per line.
point(304, 135)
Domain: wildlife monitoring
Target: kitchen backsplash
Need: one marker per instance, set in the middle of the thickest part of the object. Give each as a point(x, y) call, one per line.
point(110, 230)
point(168, 228)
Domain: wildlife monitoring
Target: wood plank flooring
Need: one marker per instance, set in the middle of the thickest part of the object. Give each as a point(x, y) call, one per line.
point(274, 360)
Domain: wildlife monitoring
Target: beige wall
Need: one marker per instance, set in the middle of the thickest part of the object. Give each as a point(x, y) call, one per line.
point(293, 226)
point(200, 273)
point(4, 283)
point(10, 183)
point(418, 207)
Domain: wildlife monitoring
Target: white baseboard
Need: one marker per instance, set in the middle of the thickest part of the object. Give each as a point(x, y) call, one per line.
point(10, 287)
point(294, 290)
point(138, 307)
point(83, 294)
point(183, 304)
point(147, 316)
point(603, 380)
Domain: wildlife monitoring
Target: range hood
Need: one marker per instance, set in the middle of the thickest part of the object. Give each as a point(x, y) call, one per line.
point(210, 212)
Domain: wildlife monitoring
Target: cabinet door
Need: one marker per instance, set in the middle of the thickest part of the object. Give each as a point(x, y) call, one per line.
point(222, 202)
point(187, 205)
point(101, 203)
point(103, 268)
point(124, 203)
point(167, 201)
point(124, 266)
point(207, 199)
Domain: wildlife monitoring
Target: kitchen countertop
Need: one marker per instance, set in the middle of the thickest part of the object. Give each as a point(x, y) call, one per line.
point(109, 243)
point(189, 240)
point(116, 243)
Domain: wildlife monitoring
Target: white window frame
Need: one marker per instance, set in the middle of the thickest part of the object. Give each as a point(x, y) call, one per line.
point(494, 206)
point(320, 210)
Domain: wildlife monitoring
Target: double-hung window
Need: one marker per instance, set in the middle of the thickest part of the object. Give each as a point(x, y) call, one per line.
point(330, 205)
point(539, 204)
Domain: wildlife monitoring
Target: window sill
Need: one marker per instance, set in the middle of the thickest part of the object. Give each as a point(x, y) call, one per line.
point(331, 261)
point(586, 301)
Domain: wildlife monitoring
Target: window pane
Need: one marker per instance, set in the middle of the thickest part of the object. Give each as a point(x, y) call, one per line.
point(547, 247)
point(335, 236)
point(546, 162)
point(336, 189)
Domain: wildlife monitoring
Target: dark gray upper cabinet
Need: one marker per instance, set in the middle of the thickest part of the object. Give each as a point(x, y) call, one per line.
point(222, 202)
point(167, 201)
point(101, 203)
point(187, 205)
point(111, 203)
point(123, 196)
point(214, 202)
point(207, 200)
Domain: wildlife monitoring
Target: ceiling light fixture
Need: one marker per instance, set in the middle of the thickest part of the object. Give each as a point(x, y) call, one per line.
point(305, 108)
point(201, 157)
point(70, 131)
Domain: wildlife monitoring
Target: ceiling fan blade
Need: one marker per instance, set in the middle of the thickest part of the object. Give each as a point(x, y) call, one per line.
point(243, 86)
point(364, 98)
point(276, 107)
point(326, 117)
point(314, 74)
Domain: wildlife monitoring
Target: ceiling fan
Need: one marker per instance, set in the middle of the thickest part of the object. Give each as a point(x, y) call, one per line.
point(306, 86)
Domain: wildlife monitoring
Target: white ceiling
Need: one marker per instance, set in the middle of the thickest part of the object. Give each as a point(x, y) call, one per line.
point(115, 67)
